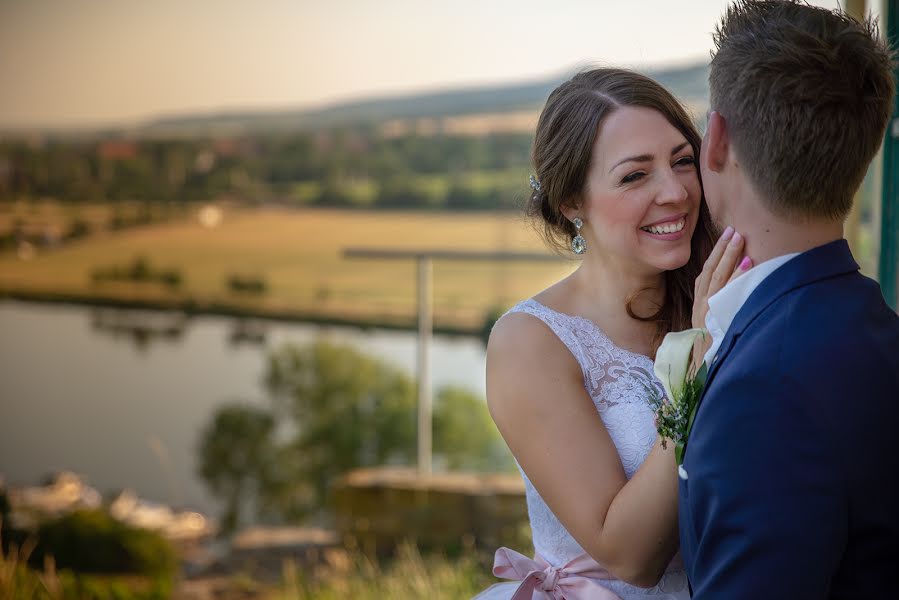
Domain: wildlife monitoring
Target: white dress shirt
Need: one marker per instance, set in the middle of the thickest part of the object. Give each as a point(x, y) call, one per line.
point(727, 302)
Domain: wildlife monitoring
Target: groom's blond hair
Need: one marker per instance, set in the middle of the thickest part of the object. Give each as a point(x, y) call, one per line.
point(806, 94)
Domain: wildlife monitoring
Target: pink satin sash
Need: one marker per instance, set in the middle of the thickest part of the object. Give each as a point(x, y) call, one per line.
point(577, 580)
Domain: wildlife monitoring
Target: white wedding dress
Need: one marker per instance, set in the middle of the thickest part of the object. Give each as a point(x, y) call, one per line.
point(616, 380)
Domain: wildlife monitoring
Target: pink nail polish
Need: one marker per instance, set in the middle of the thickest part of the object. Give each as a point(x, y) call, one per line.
point(746, 263)
point(735, 241)
point(728, 233)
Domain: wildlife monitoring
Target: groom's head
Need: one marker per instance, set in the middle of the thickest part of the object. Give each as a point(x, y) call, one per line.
point(800, 99)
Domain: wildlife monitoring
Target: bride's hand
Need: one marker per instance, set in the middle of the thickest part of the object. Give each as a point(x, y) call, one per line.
point(724, 264)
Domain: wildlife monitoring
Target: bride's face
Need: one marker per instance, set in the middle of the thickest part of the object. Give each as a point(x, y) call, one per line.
point(643, 193)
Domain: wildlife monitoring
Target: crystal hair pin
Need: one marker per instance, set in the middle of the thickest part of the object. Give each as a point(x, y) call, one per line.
point(535, 185)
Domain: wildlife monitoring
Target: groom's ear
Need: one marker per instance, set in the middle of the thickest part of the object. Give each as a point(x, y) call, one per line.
point(717, 143)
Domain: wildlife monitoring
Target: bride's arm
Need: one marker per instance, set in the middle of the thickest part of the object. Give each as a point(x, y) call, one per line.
point(535, 391)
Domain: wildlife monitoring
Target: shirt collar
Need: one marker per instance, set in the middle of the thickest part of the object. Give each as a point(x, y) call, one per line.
point(727, 302)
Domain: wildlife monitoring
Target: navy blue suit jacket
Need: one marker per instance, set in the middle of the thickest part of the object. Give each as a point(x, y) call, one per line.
point(793, 460)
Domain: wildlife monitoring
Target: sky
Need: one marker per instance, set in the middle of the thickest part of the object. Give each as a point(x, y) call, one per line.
point(84, 63)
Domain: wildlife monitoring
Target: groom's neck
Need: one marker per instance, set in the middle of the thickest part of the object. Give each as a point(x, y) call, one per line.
point(769, 236)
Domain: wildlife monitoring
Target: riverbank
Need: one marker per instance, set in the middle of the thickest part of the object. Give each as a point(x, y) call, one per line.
point(192, 308)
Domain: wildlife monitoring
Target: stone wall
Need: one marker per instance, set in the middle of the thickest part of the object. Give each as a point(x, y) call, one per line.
point(382, 507)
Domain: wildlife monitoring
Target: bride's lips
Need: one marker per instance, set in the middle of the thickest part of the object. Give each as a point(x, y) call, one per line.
point(669, 229)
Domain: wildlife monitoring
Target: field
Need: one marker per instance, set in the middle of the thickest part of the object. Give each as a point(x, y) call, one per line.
point(298, 254)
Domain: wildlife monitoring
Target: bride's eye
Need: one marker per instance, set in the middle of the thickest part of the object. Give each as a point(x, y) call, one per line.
point(685, 161)
point(633, 177)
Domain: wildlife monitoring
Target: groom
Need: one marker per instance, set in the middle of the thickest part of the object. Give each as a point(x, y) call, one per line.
point(792, 468)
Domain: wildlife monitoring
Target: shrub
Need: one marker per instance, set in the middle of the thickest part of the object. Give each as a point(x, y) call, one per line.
point(78, 229)
point(115, 547)
point(251, 284)
point(140, 269)
point(171, 278)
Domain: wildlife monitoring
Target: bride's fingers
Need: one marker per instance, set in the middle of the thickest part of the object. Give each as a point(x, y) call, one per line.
point(729, 262)
point(711, 263)
point(744, 266)
point(700, 347)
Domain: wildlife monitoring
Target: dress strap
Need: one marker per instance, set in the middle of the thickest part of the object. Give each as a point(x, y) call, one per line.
point(563, 326)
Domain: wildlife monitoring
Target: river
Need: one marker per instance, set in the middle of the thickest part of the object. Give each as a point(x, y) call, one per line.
point(125, 408)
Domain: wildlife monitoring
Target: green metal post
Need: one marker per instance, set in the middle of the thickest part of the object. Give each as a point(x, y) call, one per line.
point(889, 224)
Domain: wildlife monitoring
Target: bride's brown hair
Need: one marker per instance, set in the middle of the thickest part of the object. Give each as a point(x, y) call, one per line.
point(561, 158)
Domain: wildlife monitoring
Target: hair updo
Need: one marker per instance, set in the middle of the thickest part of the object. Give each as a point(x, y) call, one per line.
point(562, 151)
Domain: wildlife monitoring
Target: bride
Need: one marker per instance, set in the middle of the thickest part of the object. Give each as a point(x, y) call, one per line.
point(568, 371)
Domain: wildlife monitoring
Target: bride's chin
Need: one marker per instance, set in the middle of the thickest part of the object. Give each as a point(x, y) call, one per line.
point(673, 260)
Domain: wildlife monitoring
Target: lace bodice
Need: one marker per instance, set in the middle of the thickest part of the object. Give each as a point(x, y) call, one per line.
point(617, 381)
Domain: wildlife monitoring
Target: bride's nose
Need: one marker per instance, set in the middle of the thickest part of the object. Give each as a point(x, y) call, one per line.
point(672, 190)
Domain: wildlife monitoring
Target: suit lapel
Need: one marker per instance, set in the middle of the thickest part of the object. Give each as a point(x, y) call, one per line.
point(823, 262)
point(819, 263)
point(723, 350)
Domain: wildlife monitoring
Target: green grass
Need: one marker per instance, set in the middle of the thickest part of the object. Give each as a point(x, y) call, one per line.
point(409, 576)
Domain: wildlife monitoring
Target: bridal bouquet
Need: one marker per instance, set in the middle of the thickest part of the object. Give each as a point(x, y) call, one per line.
point(683, 383)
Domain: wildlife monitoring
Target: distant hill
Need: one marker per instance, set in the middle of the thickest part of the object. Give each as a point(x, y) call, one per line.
point(689, 83)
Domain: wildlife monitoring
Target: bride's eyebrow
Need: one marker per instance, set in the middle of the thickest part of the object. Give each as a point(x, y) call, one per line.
point(677, 149)
point(647, 157)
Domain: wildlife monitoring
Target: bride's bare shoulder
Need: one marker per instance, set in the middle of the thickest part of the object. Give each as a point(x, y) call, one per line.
point(517, 332)
point(523, 335)
point(523, 332)
point(521, 345)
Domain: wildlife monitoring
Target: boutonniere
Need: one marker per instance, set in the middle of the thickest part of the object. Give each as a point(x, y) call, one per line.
point(683, 383)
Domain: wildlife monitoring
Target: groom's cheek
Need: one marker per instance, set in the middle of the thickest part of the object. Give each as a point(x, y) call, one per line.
point(711, 184)
point(709, 189)
point(717, 209)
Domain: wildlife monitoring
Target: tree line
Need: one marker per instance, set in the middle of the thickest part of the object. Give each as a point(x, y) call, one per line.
point(362, 168)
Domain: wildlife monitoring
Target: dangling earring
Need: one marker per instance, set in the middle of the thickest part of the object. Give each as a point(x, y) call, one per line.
point(578, 243)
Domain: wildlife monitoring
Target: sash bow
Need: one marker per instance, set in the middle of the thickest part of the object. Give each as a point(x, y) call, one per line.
point(577, 580)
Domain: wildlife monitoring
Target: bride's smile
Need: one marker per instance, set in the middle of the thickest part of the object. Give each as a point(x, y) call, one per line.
point(667, 229)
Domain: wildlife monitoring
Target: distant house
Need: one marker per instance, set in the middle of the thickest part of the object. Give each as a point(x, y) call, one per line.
point(174, 525)
point(226, 147)
point(65, 492)
point(115, 150)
